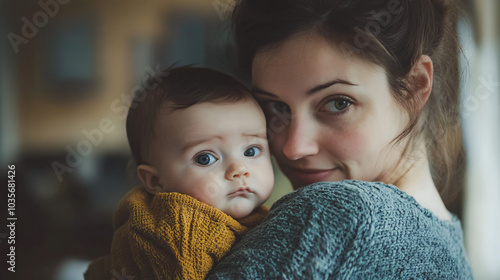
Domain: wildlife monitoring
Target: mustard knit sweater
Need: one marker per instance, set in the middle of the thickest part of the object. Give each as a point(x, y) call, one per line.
point(168, 236)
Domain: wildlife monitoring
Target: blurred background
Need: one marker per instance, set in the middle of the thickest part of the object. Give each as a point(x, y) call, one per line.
point(68, 69)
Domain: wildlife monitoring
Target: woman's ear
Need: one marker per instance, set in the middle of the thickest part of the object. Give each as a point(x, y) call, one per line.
point(420, 79)
point(149, 178)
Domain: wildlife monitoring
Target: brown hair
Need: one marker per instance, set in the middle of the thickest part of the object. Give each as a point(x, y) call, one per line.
point(177, 88)
point(389, 33)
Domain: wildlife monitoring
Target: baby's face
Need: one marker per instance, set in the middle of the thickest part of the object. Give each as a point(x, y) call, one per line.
point(216, 153)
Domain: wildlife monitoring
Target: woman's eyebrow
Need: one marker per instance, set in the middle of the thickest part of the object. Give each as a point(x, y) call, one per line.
point(309, 92)
point(263, 92)
point(329, 84)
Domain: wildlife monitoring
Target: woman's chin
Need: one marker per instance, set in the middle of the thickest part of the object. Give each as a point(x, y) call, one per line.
point(300, 179)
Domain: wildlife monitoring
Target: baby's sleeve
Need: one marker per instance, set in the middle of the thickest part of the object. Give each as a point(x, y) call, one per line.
point(181, 237)
point(172, 236)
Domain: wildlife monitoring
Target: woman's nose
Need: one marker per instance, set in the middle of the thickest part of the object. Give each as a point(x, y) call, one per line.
point(236, 170)
point(300, 140)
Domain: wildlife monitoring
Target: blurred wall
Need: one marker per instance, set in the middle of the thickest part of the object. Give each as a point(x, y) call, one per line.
point(53, 116)
point(8, 99)
point(480, 105)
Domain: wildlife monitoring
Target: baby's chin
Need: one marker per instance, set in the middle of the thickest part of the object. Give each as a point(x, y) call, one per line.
point(240, 210)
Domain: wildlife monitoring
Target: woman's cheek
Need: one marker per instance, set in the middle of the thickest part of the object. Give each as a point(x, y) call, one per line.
point(276, 140)
point(347, 144)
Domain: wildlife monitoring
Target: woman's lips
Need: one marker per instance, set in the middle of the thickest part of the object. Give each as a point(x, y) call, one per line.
point(309, 176)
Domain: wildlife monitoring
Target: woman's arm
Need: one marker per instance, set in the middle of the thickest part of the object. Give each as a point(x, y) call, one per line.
point(307, 235)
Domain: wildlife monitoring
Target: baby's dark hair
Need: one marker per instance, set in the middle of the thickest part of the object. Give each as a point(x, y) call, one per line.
point(176, 88)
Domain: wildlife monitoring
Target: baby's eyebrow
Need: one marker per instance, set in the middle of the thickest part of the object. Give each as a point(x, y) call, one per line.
point(197, 142)
point(262, 135)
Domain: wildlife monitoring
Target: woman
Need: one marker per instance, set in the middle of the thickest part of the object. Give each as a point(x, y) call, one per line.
point(356, 90)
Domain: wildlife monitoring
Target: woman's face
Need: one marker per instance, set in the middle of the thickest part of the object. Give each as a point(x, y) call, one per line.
point(330, 116)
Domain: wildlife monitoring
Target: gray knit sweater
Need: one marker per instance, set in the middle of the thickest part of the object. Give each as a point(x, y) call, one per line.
point(348, 230)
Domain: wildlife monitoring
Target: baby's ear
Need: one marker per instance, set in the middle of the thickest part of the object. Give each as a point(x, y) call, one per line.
point(149, 178)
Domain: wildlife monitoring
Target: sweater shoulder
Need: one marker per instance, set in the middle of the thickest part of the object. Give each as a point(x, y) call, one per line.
point(347, 229)
point(348, 197)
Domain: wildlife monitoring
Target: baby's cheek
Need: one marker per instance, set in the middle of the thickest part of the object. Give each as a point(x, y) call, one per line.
point(204, 187)
point(267, 180)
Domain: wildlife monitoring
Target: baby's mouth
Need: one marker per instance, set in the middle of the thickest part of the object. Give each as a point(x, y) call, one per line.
point(241, 191)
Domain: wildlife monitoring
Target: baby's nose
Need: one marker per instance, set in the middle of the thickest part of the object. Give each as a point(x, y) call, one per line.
point(237, 170)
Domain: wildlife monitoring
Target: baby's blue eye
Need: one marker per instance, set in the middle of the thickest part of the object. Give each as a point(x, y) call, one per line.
point(337, 105)
point(205, 159)
point(252, 152)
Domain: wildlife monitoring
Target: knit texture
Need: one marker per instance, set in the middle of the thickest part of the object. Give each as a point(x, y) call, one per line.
point(348, 230)
point(168, 236)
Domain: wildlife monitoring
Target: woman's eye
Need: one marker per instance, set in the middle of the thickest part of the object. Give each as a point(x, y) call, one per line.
point(275, 107)
point(280, 107)
point(252, 152)
point(337, 105)
point(205, 159)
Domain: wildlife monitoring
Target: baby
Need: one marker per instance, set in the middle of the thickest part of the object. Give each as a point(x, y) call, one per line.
point(199, 140)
